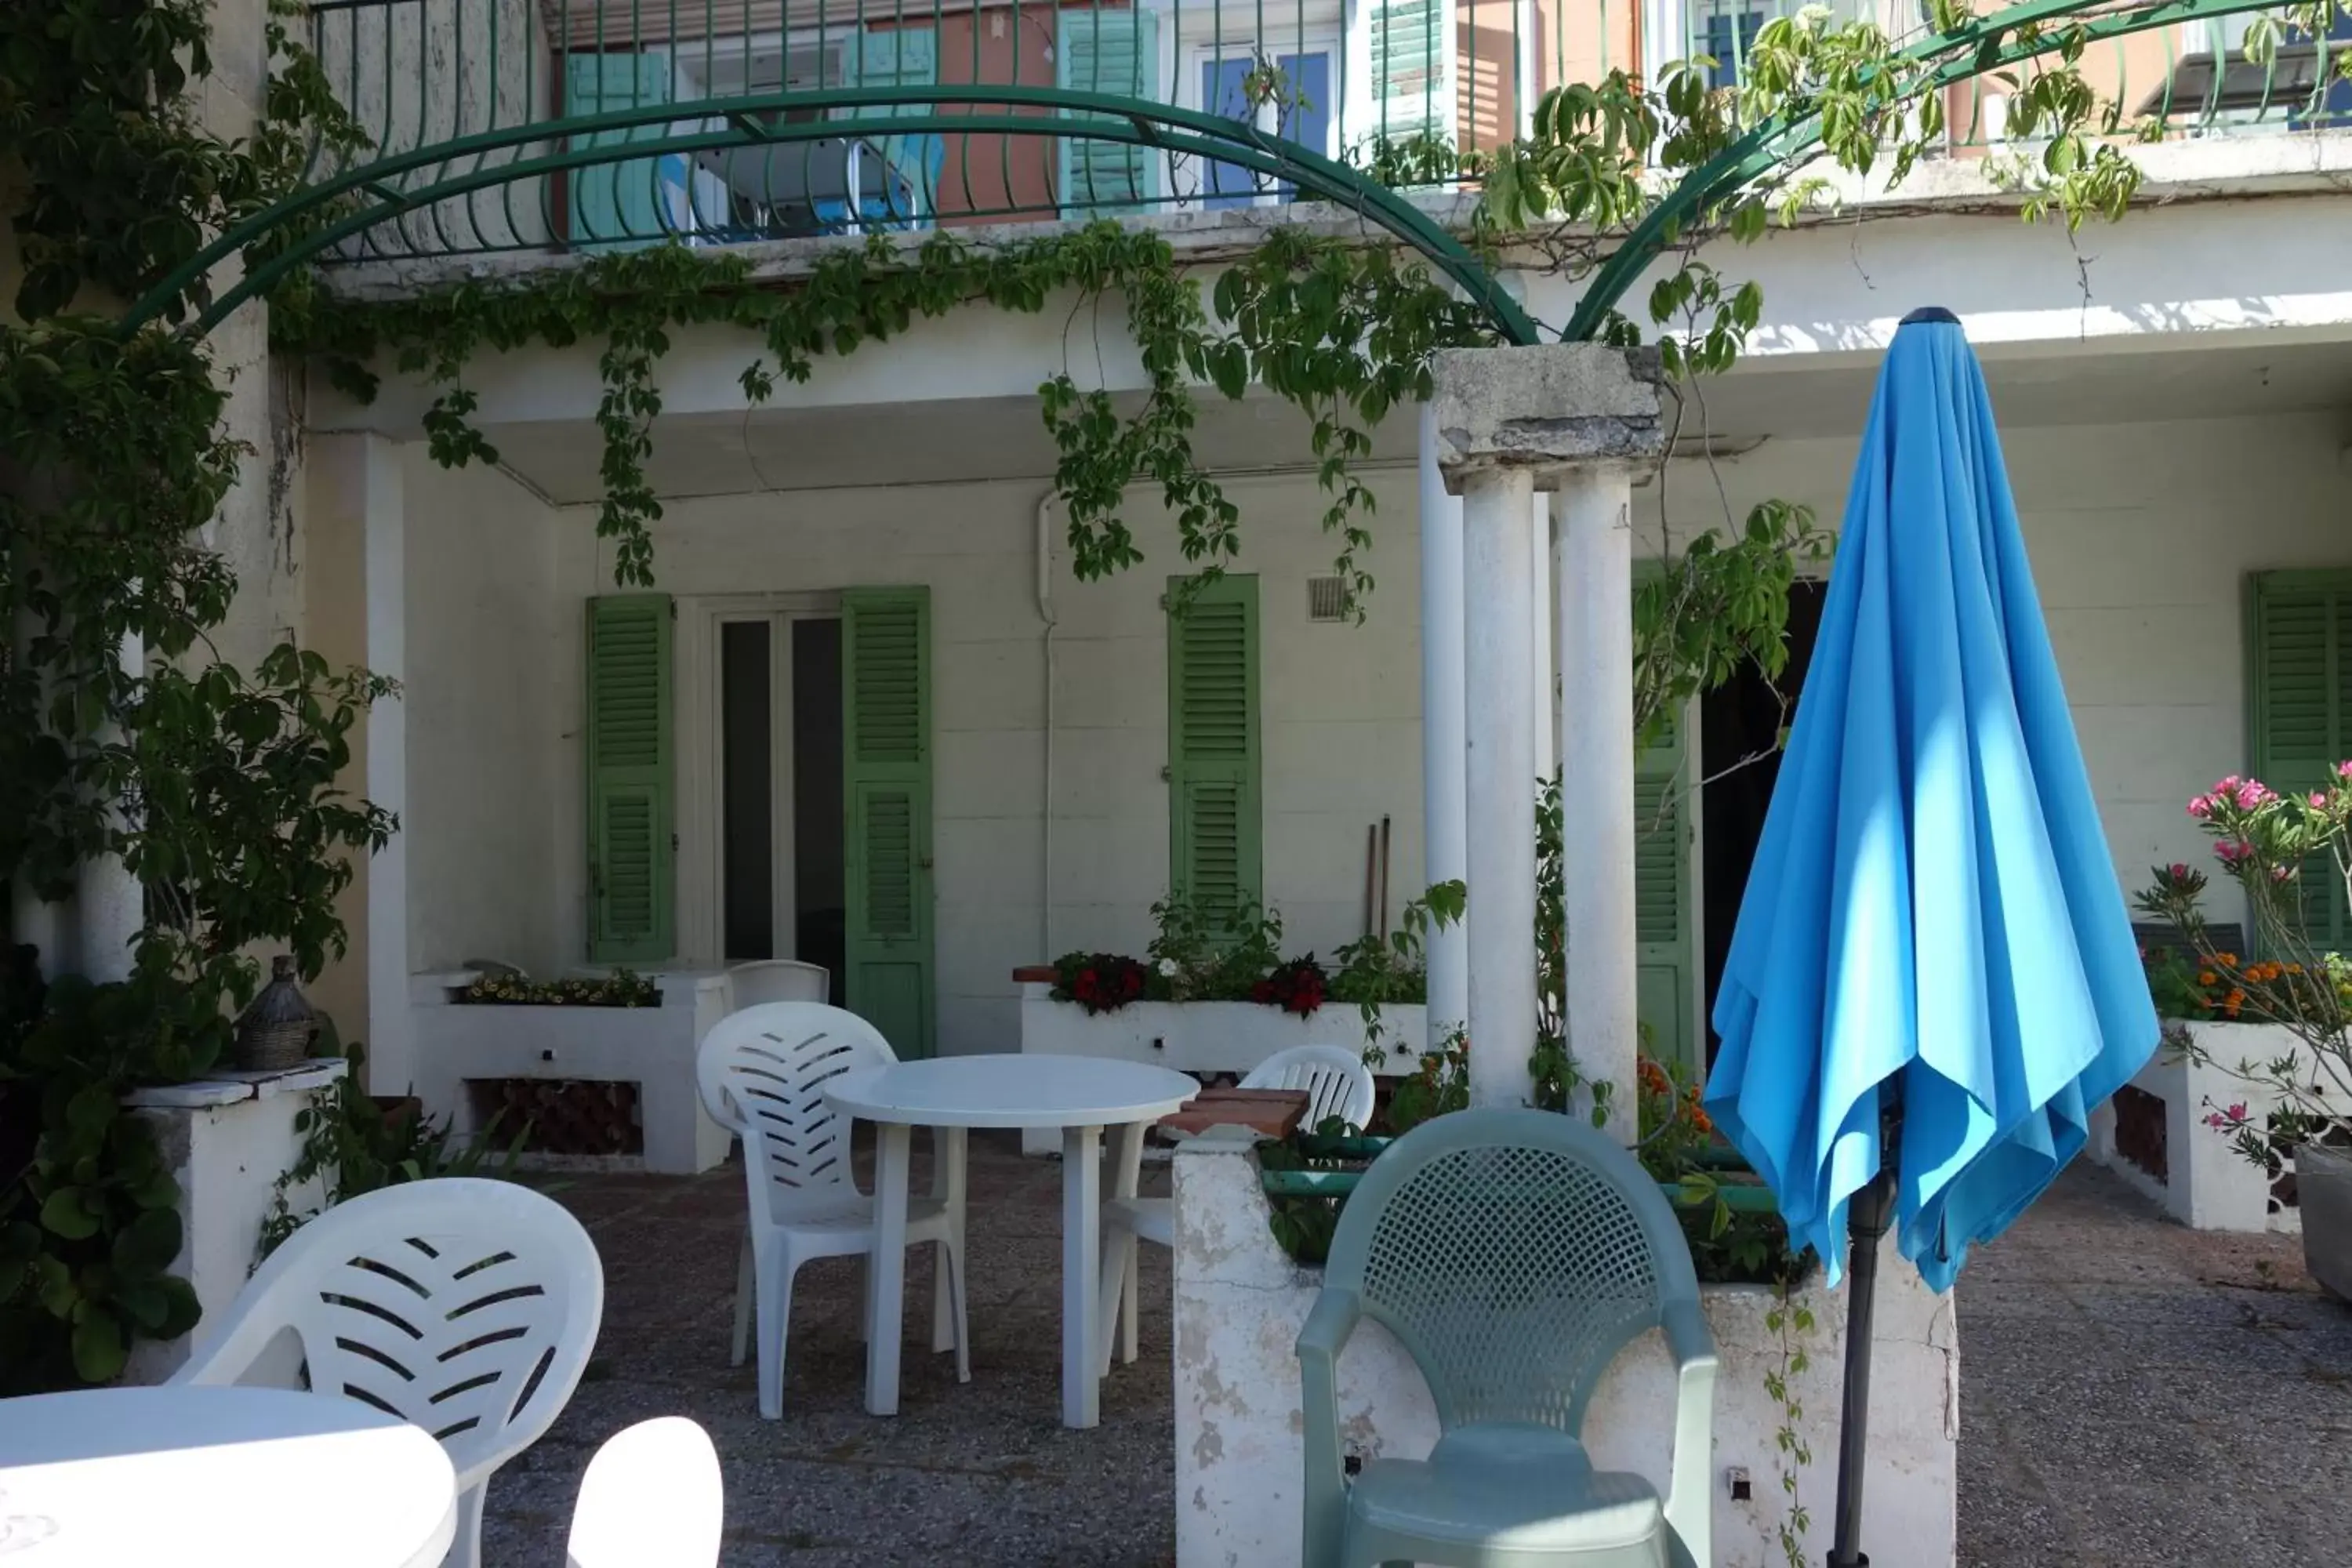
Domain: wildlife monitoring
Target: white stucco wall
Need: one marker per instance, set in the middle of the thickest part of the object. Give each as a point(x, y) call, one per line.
point(491, 727)
point(2140, 536)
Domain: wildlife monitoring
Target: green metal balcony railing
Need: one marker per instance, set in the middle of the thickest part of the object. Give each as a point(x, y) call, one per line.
point(766, 118)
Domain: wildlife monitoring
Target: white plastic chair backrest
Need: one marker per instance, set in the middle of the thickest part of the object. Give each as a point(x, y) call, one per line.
point(777, 980)
point(467, 1307)
point(652, 1499)
point(1336, 1079)
point(762, 1073)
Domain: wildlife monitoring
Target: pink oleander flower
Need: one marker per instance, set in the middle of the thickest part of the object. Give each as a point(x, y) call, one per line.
point(2344, 770)
point(2253, 792)
point(2318, 800)
point(2233, 851)
point(2179, 870)
point(2200, 806)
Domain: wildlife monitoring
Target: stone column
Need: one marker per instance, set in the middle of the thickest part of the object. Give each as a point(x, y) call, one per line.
point(1594, 504)
point(1543, 565)
point(1444, 817)
point(1497, 521)
point(1576, 418)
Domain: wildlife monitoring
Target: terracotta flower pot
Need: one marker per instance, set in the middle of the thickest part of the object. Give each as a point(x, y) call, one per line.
point(2324, 1187)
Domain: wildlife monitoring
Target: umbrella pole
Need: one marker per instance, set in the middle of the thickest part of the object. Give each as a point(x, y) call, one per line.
point(1867, 1218)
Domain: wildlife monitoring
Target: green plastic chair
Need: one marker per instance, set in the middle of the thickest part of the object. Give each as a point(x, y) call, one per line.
point(1514, 1254)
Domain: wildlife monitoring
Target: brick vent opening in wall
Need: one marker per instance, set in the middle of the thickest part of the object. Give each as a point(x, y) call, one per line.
point(563, 1116)
point(2139, 1131)
point(1326, 599)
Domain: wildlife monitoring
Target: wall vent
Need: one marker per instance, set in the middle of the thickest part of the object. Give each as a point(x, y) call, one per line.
point(1326, 599)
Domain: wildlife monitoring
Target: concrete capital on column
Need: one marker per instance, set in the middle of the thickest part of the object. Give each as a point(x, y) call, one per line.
point(1548, 409)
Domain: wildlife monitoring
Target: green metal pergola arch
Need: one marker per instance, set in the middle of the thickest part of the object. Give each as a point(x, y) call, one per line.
point(1784, 141)
point(1163, 128)
point(1794, 136)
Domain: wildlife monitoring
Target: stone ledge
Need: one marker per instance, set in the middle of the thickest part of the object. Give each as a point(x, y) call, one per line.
point(232, 1088)
point(1545, 408)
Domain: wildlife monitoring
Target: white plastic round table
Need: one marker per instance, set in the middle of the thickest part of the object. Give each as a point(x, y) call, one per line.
point(261, 1477)
point(1080, 1095)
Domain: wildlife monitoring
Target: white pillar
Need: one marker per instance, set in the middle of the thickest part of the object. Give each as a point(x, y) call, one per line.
point(1497, 515)
point(1445, 834)
point(358, 614)
point(109, 907)
point(1541, 566)
point(1594, 508)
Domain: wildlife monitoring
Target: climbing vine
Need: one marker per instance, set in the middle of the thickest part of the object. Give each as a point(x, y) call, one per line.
point(1342, 331)
point(213, 785)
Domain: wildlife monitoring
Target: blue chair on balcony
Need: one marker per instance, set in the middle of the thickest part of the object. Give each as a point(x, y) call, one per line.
point(910, 188)
point(1513, 1253)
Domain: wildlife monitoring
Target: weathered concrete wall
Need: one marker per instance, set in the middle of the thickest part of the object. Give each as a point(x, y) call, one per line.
point(1240, 1459)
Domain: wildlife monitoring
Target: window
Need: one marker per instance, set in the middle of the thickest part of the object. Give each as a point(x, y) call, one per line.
point(1289, 97)
point(1726, 36)
point(1213, 852)
point(2299, 707)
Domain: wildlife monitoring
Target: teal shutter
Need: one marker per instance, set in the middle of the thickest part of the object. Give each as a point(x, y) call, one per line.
point(1214, 855)
point(1666, 933)
point(630, 860)
point(885, 675)
point(618, 204)
point(1408, 53)
point(2299, 710)
point(1115, 53)
point(904, 57)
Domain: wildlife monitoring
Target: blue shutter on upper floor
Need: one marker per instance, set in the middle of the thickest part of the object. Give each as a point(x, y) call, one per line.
point(1114, 52)
point(1305, 116)
point(634, 202)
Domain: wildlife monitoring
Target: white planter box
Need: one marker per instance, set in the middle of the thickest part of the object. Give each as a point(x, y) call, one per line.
point(1239, 1302)
point(1203, 1036)
point(2205, 1182)
point(652, 1047)
point(227, 1139)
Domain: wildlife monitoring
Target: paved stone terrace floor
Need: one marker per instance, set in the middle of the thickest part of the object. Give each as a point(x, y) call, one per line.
point(2133, 1395)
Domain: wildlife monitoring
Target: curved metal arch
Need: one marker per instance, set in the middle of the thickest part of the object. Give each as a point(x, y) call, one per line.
point(1162, 127)
point(1792, 136)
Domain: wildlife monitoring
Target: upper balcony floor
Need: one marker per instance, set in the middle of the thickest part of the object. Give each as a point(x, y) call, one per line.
point(778, 119)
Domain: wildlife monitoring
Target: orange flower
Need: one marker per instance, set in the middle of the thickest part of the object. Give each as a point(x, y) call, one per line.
point(2207, 977)
point(2235, 1000)
point(2227, 960)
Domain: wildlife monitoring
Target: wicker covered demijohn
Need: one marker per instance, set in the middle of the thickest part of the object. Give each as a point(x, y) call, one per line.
point(276, 1031)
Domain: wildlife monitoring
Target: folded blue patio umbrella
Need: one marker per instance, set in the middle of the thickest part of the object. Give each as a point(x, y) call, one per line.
point(1933, 979)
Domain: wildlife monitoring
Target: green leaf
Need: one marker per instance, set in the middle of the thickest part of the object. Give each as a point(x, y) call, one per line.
point(181, 1308)
point(148, 1244)
point(69, 1212)
point(98, 1352)
point(92, 1111)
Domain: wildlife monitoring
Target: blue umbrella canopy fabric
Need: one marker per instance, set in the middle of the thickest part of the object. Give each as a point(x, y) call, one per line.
point(1933, 932)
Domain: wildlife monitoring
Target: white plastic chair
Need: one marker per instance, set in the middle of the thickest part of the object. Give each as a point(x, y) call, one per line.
point(652, 1499)
point(1337, 1082)
point(762, 1073)
point(467, 1307)
point(766, 979)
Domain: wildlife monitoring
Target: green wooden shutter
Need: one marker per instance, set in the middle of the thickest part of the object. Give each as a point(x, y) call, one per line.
point(631, 876)
point(886, 677)
point(2299, 709)
point(904, 57)
point(1114, 52)
point(1665, 937)
point(620, 206)
point(1408, 55)
point(1215, 857)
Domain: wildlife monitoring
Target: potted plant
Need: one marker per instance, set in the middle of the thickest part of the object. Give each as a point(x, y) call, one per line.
point(2291, 854)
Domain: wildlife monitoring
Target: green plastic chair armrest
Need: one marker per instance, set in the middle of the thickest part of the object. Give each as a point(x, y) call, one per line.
point(1690, 1508)
point(1333, 1319)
